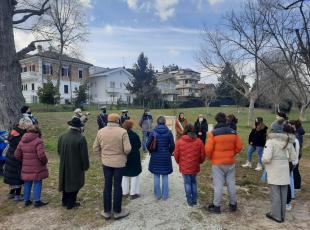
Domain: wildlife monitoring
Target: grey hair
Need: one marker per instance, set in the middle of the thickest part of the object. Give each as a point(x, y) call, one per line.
point(161, 120)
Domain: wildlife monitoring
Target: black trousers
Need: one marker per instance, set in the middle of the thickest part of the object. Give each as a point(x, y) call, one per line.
point(69, 199)
point(112, 178)
point(16, 191)
point(297, 177)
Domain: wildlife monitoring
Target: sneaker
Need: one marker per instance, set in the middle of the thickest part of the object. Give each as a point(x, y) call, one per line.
point(122, 214)
point(106, 215)
point(247, 164)
point(18, 198)
point(28, 203)
point(38, 204)
point(288, 207)
point(259, 167)
point(214, 209)
point(133, 197)
point(233, 207)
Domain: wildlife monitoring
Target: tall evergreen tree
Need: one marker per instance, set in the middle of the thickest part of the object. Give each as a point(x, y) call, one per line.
point(47, 93)
point(81, 95)
point(143, 84)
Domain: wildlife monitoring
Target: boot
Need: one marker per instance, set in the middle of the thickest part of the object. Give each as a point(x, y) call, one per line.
point(247, 164)
point(214, 209)
point(122, 214)
point(233, 207)
point(259, 167)
point(38, 204)
point(28, 203)
point(133, 197)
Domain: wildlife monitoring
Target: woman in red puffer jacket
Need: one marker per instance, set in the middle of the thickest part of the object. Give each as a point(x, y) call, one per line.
point(189, 153)
point(30, 151)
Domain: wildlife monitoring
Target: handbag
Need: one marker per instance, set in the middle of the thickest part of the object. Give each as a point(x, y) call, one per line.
point(152, 146)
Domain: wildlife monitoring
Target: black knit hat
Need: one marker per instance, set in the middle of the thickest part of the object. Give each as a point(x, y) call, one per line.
point(75, 122)
point(283, 115)
point(24, 109)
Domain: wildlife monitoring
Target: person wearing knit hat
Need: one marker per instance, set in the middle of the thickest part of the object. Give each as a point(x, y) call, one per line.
point(26, 112)
point(278, 124)
point(113, 145)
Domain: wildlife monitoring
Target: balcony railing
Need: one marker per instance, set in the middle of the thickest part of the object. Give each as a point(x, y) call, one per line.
point(183, 86)
point(30, 75)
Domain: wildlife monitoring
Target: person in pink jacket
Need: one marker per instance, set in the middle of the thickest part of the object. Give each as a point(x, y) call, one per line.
point(30, 151)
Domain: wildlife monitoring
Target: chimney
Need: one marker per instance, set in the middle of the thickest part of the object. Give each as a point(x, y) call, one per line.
point(39, 47)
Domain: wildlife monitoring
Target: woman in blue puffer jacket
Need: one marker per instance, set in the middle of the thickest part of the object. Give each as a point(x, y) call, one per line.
point(160, 163)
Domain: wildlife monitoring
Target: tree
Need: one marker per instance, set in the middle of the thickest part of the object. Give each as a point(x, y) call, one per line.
point(11, 97)
point(81, 95)
point(47, 93)
point(65, 25)
point(143, 84)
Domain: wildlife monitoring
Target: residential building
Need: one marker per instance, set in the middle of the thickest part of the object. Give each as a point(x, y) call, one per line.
point(108, 85)
point(179, 84)
point(36, 69)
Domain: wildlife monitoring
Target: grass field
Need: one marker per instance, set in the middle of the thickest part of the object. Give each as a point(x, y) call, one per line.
point(55, 123)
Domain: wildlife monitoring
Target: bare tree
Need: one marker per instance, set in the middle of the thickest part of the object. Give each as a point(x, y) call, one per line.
point(65, 25)
point(11, 97)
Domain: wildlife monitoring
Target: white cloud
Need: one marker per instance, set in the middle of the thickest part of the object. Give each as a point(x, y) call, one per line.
point(165, 8)
point(132, 4)
point(86, 3)
point(22, 38)
point(213, 2)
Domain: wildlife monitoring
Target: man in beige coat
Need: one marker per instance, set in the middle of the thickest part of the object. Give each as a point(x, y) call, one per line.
point(112, 144)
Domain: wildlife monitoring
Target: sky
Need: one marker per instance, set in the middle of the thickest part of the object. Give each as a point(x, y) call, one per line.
point(167, 31)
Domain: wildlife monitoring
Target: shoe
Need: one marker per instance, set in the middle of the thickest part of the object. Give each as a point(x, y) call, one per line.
point(75, 205)
point(133, 197)
point(18, 198)
point(247, 164)
point(259, 167)
point(214, 209)
point(126, 196)
point(232, 207)
point(28, 203)
point(11, 196)
point(288, 207)
point(120, 215)
point(269, 216)
point(106, 215)
point(38, 204)
point(297, 190)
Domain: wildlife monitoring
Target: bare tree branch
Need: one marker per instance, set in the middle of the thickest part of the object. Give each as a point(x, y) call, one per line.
point(31, 47)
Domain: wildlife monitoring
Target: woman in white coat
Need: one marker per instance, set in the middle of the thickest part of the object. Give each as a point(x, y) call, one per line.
point(279, 151)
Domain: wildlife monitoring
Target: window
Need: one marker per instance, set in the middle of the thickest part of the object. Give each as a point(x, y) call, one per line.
point(25, 69)
point(33, 68)
point(65, 71)
point(32, 86)
point(66, 89)
point(47, 68)
point(112, 84)
point(24, 87)
point(80, 73)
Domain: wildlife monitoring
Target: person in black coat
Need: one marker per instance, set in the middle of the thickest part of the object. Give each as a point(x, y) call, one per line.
point(201, 128)
point(124, 116)
point(12, 167)
point(257, 141)
point(232, 121)
point(133, 166)
point(102, 119)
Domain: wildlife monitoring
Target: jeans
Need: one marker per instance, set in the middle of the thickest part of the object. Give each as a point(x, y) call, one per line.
point(37, 188)
point(112, 176)
point(69, 199)
point(164, 191)
point(144, 139)
point(252, 149)
point(190, 185)
point(222, 174)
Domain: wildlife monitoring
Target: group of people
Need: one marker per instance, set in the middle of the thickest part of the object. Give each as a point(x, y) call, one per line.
point(118, 147)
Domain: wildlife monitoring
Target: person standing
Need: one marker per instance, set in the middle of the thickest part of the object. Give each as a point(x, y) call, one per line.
point(180, 124)
point(232, 121)
point(201, 128)
point(102, 119)
point(278, 124)
point(222, 145)
point(113, 145)
point(12, 172)
point(146, 125)
point(72, 149)
point(26, 112)
point(257, 141)
point(30, 151)
point(189, 153)
point(124, 116)
point(279, 151)
point(160, 163)
point(131, 180)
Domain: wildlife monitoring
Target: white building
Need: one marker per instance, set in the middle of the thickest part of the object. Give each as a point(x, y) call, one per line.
point(167, 83)
point(38, 68)
point(108, 86)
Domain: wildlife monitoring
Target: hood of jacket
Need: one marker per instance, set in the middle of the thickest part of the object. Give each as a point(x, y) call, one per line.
point(28, 137)
point(162, 129)
point(282, 137)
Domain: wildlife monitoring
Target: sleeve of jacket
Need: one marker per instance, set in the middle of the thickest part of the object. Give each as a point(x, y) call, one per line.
point(202, 152)
point(268, 152)
point(137, 141)
point(96, 146)
point(84, 154)
point(149, 140)
point(18, 153)
point(292, 154)
point(239, 144)
point(126, 143)
point(99, 121)
point(171, 143)
point(209, 145)
point(59, 145)
point(141, 121)
point(251, 136)
point(41, 153)
point(177, 152)
point(207, 126)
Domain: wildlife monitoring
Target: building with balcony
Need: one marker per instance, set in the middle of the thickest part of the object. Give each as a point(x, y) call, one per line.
point(167, 85)
point(108, 85)
point(36, 69)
